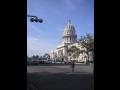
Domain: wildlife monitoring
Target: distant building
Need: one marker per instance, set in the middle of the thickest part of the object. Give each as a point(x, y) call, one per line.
point(29, 60)
point(33, 59)
point(69, 39)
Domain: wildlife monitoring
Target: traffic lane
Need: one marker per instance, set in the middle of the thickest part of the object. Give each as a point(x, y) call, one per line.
point(61, 81)
point(59, 69)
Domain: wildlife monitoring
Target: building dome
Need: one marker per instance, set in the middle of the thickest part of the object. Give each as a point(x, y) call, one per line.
point(69, 35)
point(69, 29)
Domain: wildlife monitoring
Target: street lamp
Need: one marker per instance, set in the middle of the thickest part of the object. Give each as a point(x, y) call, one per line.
point(35, 19)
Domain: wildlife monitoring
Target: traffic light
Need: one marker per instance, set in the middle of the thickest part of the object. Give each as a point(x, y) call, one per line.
point(32, 20)
point(36, 20)
point(40, 20)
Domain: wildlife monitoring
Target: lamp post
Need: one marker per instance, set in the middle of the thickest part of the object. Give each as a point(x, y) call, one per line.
point(35, 19)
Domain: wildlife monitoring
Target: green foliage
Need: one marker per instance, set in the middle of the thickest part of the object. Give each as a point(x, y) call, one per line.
point(46, 56)
point(88, 43)
point(73, 51)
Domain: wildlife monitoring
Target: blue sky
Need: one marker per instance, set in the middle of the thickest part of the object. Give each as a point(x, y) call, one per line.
point(46, 36)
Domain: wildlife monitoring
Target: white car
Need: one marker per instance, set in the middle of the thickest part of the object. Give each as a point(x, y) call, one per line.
point(57, 62)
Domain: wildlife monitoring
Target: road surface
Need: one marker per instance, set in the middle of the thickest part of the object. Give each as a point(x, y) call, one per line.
point(60, 78)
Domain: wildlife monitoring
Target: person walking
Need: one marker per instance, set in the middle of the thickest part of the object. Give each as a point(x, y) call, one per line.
point(73, 65)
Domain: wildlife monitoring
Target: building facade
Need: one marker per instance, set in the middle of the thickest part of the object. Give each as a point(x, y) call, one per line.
point(69, 39)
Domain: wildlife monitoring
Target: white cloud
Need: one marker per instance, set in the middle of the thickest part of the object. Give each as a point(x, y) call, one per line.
point(37, 46)
point(32, 27)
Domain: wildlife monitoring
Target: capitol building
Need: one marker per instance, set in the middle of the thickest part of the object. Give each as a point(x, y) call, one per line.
point(69, 39)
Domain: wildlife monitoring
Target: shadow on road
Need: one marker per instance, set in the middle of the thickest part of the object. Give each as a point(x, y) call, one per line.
point(46, 81)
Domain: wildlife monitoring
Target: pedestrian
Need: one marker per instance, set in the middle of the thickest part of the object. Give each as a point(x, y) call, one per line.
point(73, 65)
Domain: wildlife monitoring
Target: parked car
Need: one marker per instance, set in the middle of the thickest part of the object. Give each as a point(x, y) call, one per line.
point(57, 62)
point(50, 62)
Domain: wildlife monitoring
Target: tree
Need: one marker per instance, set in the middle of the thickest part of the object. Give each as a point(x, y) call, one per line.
point(74, 52)
point(70, 51)
point(46, 56)
point(55, 57)
point(40, 58)
point(88, 43)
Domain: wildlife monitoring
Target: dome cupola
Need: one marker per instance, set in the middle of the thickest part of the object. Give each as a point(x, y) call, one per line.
point(69, 35)
point(69, 29)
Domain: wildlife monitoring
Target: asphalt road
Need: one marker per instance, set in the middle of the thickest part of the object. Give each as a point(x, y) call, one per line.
point(65, 69)
point(60, 78)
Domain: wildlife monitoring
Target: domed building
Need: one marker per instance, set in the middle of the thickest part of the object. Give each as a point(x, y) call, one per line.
point(69, 39)
point(69, 36)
